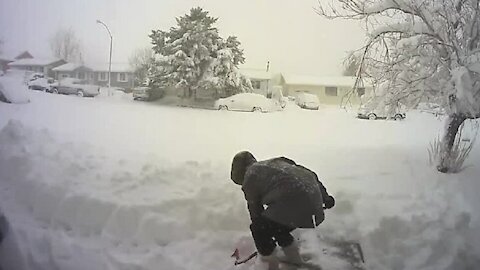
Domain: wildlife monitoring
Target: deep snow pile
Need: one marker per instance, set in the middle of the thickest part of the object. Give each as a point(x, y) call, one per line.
point(128, 185)
point(12, 88)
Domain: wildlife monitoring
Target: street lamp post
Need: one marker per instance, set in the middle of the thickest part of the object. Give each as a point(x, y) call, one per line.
point(110, 61)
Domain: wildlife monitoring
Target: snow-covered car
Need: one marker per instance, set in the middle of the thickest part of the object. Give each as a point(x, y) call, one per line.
point(429, 107)
point(248, 102)
point(42, 84)
point(75, 86)
point(146, 93)
point(376, 108)
point(34, 76)
point(12, 89)
point(307, 101)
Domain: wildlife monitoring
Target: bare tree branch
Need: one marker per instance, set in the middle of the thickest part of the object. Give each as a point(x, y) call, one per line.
point(65, 45)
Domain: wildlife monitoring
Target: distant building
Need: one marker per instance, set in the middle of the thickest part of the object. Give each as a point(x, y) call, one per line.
point(260, 78)
point(5, 60)
point(44, 66)
point(330, 90)
point(73, 70)
point(23, 55)
point(121, 75)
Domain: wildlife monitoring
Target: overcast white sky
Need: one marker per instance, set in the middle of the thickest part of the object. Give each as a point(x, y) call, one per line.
point(287, 33)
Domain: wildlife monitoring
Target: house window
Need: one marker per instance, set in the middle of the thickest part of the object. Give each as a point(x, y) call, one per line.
point(64, 75)
point(361, 91)
point(331, 91)
point(81, 75)
point(122, 77)
point(256, 84)
point(102, 76)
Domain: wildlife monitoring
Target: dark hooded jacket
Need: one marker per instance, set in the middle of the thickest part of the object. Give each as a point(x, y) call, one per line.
point(292, 194)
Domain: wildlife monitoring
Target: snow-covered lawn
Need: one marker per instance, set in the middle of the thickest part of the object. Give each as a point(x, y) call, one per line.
point(110, 183)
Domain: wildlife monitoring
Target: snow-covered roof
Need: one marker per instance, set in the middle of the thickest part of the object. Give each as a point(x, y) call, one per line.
point(69, 67)
point(116, 67)
point(33, 62)
point(321, 80)
point(259, 74)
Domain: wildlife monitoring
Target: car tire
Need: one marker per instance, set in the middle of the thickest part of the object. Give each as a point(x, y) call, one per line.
point(80, 93)
point(54, 90)
point(223, 107)
point(257, 109)
point(372, 116)
point(398, 117)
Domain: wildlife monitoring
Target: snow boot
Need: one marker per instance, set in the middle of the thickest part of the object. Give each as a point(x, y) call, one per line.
point(292, 257)
point(269, 262)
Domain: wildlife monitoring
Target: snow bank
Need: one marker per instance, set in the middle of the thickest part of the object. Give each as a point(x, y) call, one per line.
point(135, 219)
point(73, 203)
point(13, 88)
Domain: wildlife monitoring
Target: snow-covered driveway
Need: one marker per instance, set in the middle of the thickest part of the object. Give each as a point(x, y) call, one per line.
point(109, 183)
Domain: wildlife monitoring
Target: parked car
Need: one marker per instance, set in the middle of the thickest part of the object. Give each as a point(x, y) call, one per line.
point(429, 107)
point(248, 102)
point(75, 86)
point(42, 84)
point(146, 93)
point(376, 108)
point(307, 101)
point(33, 76)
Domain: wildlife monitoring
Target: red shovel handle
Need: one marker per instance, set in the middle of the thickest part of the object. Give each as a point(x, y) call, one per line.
point(237, 262)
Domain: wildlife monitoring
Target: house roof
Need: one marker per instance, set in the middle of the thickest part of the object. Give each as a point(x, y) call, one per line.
point(33, 62)
point(69, 67)
point(321, 81)
point(259, 74)
point(14, 57)
point(23, 55)
point(116, 67)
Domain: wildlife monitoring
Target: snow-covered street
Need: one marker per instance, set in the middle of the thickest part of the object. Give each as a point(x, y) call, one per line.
point(111, 183)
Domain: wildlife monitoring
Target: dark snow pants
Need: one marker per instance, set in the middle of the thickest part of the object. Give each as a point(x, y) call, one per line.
point(267, 233)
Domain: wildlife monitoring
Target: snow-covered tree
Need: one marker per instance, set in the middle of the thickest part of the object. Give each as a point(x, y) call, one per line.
point(351, 65)
point(193, 57)
point(422, 51)
point(140, 61)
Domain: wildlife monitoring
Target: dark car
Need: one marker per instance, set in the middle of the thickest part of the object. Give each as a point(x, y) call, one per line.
point(146, 93)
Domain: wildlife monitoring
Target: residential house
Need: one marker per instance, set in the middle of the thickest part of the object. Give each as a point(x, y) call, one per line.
point(330, 90)
point(5, 60)
point(74, 70)
point(260, 78)
point(121, 75)
point(44, 66)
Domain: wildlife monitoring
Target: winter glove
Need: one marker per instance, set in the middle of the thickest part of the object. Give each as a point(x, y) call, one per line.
point(329, 202)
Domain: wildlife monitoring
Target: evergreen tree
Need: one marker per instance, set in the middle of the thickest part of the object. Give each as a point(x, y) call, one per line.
point(190, 53)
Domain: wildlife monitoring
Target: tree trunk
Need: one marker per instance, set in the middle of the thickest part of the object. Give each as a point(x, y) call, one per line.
point(453, 124)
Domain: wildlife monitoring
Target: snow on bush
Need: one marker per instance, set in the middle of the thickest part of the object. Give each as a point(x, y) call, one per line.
point(461, 147)
point(13, 89)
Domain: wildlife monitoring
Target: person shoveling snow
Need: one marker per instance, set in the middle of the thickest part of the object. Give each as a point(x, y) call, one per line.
point(294, 198)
